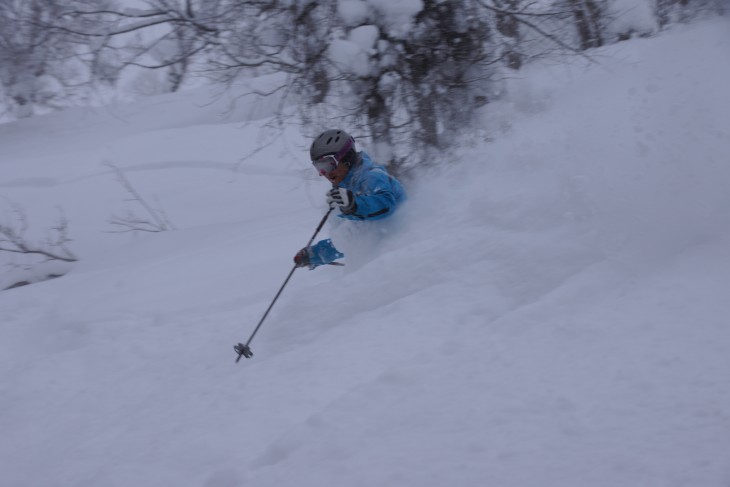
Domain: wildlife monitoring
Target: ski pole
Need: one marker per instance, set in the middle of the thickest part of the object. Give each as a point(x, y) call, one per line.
point(244, 350)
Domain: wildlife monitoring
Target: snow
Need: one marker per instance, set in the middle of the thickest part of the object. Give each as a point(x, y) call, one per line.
point(630, 16)
point(364, 36)
point(352, 12)
point(399, 14)
point(350, 57)
point(548, 308)
point(353, 55)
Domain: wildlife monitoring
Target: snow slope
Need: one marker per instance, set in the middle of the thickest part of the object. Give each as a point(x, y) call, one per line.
point(551, 310)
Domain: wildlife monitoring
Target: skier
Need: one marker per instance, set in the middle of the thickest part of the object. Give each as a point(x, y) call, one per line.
point(361, 189)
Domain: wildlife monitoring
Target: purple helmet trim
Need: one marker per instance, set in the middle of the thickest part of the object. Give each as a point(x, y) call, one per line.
point(348, 145)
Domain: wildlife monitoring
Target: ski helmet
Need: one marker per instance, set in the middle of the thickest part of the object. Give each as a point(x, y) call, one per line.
point(333, 142)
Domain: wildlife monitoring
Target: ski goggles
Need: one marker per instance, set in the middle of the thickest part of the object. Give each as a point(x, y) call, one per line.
point(325, 164)
point(328, 163)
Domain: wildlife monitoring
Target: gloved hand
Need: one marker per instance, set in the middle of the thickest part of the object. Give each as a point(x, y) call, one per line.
point(302, 258)
point(343, 198)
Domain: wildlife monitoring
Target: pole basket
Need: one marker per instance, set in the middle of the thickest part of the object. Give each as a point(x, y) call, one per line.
point(242, 351)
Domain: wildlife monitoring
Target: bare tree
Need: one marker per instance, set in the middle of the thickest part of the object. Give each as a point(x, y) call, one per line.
point(167, 35)
point(157, 219)
point(13, 239)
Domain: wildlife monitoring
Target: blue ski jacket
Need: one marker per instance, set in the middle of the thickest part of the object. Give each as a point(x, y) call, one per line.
point(377, 195)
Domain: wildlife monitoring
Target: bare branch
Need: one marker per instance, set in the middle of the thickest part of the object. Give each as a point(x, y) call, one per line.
point(13, 240)
point(158, 221)
point(519, 17)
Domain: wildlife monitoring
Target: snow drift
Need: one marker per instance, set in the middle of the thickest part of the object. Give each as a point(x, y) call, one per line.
point(548, 308)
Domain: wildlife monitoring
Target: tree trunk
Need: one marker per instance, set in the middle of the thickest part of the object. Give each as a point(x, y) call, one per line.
point(587, 16)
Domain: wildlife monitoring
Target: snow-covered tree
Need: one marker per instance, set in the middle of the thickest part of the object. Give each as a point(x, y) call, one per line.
point(36, 64)
point(671, 11)
point(408, 73)
point(589, 17)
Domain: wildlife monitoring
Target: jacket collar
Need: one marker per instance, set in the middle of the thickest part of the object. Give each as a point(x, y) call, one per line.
point(363, 162)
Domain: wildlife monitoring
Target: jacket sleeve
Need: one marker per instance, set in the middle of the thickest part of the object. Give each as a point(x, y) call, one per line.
point(379, 198)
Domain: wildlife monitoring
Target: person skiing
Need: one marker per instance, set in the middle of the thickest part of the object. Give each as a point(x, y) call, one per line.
point(361, 189)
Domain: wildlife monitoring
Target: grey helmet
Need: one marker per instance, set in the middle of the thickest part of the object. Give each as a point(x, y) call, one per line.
point(334, 142)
